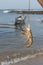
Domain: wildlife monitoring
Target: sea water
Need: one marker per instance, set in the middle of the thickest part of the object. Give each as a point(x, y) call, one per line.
point(12, 41)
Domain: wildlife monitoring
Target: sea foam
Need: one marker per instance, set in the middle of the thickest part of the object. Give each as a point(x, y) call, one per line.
point(16, 60)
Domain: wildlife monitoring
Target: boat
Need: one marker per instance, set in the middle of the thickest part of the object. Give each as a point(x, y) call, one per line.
point(5, 11)
point(40, 2)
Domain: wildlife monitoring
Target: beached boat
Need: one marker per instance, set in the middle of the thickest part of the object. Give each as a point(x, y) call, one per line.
point(5, 11)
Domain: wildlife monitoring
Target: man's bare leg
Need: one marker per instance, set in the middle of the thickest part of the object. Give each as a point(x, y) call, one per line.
point(28, 34)
point(30, 39)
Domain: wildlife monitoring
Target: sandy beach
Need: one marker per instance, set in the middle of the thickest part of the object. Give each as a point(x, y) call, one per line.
point(35, 61)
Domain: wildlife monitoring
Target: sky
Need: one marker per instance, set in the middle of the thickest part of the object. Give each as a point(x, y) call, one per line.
point(19, 4)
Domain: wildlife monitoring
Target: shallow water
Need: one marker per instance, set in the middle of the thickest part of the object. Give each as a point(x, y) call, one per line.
point(12, 41)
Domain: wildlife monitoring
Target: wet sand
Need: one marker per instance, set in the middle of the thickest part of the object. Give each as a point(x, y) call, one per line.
point(34, 61)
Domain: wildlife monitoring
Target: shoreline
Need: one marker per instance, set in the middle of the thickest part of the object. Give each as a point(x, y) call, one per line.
point(22, 11)
point(33, 61)
point(17, 57)
point(38, 60)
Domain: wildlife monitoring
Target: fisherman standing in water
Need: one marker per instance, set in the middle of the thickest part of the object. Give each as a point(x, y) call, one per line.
point(20, 24)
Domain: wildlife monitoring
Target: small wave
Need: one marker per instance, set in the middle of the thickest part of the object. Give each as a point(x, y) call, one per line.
point(16, 60)
point(7, 26)
point(36, 19)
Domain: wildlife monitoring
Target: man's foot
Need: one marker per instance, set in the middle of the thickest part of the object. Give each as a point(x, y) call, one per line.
point(28, 45)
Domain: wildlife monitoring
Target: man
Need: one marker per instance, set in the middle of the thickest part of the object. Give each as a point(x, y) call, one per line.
point(26, 29)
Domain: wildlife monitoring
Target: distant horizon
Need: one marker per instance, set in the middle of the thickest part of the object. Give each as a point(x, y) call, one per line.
point(23, 9)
